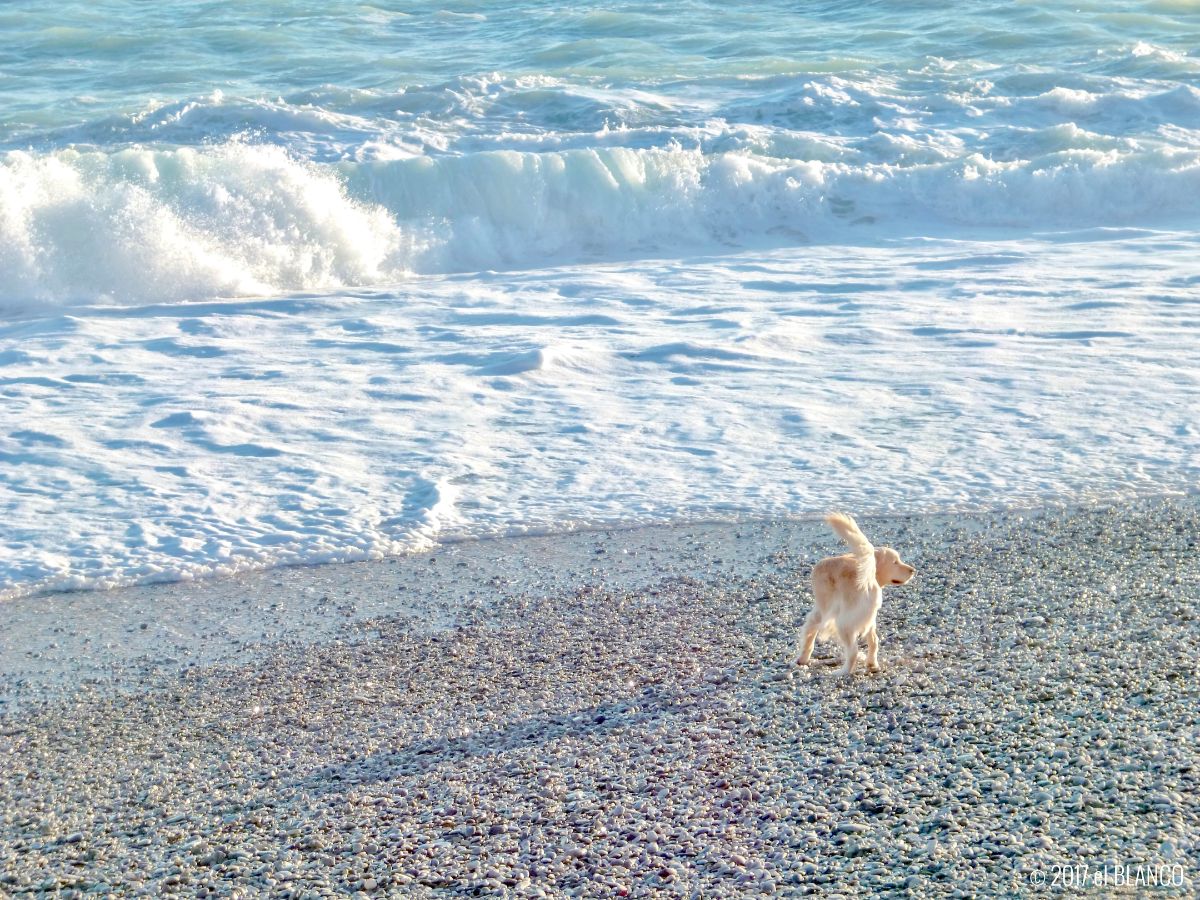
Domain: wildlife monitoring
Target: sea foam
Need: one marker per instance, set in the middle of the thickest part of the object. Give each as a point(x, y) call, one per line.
point(344, 283)
point(178, 441)
point(140, 225)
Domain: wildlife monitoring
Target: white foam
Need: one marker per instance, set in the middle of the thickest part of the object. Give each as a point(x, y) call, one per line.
point(654, 267)
point(139, 225)
point(179, 441)
point(143, 225)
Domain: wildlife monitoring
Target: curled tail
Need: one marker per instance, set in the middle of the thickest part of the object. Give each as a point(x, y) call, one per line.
point(864, 553)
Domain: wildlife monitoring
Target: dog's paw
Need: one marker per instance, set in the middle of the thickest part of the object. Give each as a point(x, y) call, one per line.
point(874, 667)
point(800, 661)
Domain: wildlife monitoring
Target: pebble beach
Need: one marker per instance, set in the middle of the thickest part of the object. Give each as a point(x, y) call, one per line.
point(416, 421)
point(617, 714)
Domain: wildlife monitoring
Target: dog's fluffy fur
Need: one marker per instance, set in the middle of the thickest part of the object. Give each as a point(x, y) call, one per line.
point(848, 591)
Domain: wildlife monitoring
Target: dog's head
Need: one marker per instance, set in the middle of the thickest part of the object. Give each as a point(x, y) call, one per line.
point(890, 569)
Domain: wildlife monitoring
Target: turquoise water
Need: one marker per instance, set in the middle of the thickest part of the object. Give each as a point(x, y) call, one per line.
point(439, 139)
point(95, 67)
point(65, 62)
point(288, 282)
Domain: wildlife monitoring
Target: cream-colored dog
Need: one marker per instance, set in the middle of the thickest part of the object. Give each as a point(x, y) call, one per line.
point(848, 591)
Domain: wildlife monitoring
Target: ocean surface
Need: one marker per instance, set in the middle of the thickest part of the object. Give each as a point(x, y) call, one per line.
point(296, 282)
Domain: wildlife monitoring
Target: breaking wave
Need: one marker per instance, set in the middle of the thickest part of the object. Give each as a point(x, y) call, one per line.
point(137, 225)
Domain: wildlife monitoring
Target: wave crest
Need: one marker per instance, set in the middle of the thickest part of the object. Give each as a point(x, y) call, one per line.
point(140, 225)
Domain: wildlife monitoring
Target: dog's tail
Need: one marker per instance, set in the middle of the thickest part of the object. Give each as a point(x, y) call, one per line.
point(864, 552)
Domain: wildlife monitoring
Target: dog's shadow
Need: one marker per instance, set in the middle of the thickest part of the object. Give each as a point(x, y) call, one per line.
point(422, 757)
point(825, 661)
point(901, 658)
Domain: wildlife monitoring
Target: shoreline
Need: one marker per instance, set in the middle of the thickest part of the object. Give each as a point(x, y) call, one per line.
point(608, 712)
point(125, 634)
point(23, 592)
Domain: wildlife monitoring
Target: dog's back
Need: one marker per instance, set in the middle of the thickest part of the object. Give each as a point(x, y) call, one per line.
point(830, 576)
point(861, 550)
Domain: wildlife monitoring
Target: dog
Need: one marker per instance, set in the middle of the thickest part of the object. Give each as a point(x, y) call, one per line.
point(848, 591)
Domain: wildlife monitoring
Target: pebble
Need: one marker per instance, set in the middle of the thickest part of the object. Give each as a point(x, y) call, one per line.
point(638, 740)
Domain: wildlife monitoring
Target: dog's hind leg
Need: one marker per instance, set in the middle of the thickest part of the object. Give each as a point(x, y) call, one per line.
point(849, 642)
point(872, 650)
point(812, 625)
